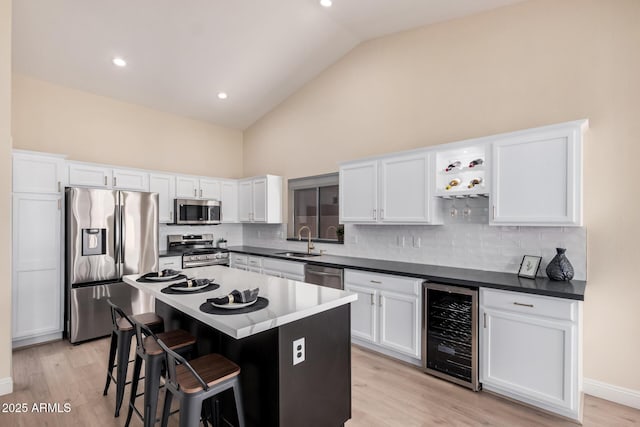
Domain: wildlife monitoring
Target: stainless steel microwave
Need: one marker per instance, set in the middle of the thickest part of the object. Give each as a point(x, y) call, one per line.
point(197, 212)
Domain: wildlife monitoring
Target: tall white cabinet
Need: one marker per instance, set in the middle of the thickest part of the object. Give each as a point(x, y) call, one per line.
point(165, 186)
point(260, 199)
point(37, 282)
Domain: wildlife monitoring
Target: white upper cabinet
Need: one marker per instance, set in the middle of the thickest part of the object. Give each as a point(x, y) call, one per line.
point(260, 199)
point(229, 200)
point(85, 175)
point(209, 189)
point(37, 173)
point(165, 186)
point(89, 175)
point(359, 192)
point(130, 179)
point(393, 190)
point(537, 177)
point(187, 186)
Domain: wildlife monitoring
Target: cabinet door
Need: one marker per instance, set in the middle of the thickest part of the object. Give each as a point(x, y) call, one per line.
point(209, 189)
point(37, 174)
point(37, 249)
point(187, 187)
point(364, 313)
point(128, 179)
point(530, 358)
point(400, 322)
point(260, 200)
point(245, 200)
point(89, 176)
point(537, 179)
point(404, 193)
point(165, 186)
point(359, 192)
point(229, 200)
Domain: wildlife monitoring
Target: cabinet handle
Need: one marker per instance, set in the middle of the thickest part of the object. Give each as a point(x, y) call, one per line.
point(373, 215)
point(105, 180)
point(493, 212)
point(380, 300)
point(195, 193)
point(381, 213)
point(59, 187)
point(59, 204)
point(375, 281)
point(114, 181)
point(373, 299)
point(484, 318)
point(523, 305)
point(201, 192)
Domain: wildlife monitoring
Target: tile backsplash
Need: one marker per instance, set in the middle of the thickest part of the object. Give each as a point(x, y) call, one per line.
point(465, 240)
point(231, 232)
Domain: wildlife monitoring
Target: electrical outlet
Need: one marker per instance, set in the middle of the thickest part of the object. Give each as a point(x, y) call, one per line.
point(416, 242)
point(298, 351)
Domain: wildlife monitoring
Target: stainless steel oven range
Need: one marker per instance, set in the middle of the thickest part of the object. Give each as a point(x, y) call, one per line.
point(197, 250)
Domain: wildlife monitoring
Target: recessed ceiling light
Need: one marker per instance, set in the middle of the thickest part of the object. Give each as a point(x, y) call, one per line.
point(222, 95)
point(326, 3)
point(119, 62)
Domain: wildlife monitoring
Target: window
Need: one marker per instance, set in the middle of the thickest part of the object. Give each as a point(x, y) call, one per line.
point(313, 203)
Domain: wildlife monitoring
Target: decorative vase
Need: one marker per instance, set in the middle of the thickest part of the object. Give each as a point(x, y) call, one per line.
point(560, 268)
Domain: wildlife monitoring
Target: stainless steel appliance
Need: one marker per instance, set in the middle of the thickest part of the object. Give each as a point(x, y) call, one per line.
point(450, 333)
point(197, 250)
point(109, 234)
point(324, 276)
point(197, 212)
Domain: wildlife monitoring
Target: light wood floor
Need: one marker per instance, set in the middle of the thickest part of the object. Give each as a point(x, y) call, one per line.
point(385, 393)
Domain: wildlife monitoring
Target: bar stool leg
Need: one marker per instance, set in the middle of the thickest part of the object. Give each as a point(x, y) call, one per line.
point(190, 412)
point(112, 358)
point(153, 371)
point(166, 410)
point(238, 398)
point(134, 388)
point(124, 345)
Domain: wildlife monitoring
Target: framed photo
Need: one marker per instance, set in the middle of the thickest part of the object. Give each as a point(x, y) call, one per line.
point(529, 266)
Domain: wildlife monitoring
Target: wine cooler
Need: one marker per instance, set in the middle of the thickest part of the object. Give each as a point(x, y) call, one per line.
point(450, 333)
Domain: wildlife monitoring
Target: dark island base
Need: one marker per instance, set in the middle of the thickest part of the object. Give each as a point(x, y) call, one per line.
point(316, 392)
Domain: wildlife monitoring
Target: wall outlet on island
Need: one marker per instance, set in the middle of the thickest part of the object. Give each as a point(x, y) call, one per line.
point(298, 351)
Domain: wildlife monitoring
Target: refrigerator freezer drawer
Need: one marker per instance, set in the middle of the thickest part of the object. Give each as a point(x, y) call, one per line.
point(89, 303)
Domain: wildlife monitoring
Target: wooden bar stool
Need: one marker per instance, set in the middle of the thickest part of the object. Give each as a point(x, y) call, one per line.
point(148, 350)
point(123, 331)
point(196, 381)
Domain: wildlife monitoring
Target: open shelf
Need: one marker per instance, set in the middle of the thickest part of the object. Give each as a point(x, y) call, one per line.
point(465, 174)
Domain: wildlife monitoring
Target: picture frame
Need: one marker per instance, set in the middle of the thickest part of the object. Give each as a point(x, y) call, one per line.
point(529, 266)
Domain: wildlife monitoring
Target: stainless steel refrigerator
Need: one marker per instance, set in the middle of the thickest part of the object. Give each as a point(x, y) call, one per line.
point(109, 234)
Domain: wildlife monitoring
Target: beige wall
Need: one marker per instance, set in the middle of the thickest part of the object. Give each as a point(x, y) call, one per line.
point(5, 189)
point(88, 127)
point(535, 63)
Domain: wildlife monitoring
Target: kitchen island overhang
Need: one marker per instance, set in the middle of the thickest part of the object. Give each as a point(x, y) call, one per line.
point(315, 392)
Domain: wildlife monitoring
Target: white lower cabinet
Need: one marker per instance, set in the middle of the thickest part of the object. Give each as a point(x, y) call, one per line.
point(170, 262)
point(292, 270)
point(530, 349)
point(387, 314)
point(238, 261)
point(37, 268)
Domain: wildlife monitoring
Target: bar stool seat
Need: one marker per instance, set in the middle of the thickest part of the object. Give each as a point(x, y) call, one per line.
point(149, 352)
point(199, 380)
point(120, 347)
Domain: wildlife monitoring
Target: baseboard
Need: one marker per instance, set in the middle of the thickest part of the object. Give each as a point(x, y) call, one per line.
point(621, 395)
point(19, 343)
point(6, 386)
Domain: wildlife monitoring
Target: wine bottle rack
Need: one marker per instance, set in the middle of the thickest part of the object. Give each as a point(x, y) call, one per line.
point(462, 175)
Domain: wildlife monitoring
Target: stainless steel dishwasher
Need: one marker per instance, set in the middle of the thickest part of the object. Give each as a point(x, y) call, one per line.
point(323, 276)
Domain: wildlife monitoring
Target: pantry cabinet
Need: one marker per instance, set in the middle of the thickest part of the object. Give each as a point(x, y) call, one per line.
point(165, 186)
point(229, 200)
point(393, 190)
point(537, 177)
point(530, 349)
point(260, 199)
point(386, 316)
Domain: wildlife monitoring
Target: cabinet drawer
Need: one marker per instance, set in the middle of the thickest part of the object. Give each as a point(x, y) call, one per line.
point(253, 261)
point(405, 285)
point(237, 259)
point(529, 304)
point(291, 267)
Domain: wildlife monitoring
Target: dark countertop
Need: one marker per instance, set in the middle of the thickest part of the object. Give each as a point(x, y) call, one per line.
point(573, 289)
point(167, 253)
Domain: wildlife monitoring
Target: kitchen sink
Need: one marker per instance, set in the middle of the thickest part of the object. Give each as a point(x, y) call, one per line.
point(297, 254)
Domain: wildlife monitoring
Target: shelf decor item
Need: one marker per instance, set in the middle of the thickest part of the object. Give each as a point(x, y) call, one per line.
point(529, 266)
point(560, 268)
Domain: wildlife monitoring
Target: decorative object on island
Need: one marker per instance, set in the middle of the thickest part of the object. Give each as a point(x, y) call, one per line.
point(529, 266)
point(560, 268)
point(453, 183)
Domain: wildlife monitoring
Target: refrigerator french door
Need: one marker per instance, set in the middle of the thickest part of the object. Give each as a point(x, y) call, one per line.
point(109, 234)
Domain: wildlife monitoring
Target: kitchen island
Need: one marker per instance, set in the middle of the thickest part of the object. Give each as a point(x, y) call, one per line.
point(314, 392)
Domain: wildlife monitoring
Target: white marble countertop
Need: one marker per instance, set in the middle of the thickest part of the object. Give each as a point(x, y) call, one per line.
point(289, 300)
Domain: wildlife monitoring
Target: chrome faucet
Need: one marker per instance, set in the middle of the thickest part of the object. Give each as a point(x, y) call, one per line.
point(309, 244)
